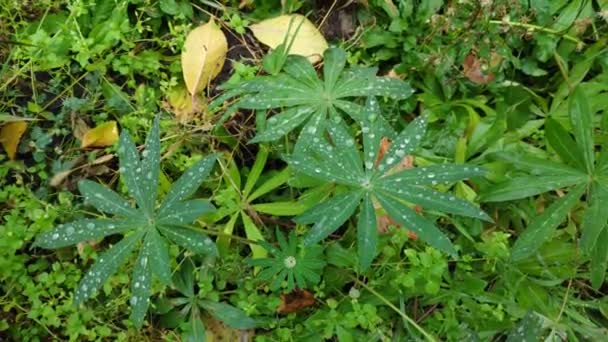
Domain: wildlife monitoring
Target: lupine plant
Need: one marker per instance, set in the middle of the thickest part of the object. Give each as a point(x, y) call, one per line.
point(291, 263)
point(309, 100)
point(370, 180)
point(146, 227)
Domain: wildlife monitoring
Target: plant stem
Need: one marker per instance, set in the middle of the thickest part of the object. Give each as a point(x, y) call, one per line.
point(537, 28)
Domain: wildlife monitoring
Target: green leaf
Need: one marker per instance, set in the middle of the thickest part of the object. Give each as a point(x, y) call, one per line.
point(599, 260)
point(301, 69)
point(184, 212)
point(150, 165)
point(434, 200)
point(409, 219)
point(256, 170)
point(158, 252)
point(196, 330)
point(581, 118)
point(105, 200)
point(188, 183)
point(281, 124)
point(272, 183)
point(311, 131)
point(432, 175)
point(542, 227)
point(528, 329)
point(253, 233)
point(231, 316)
point(367, 233)
point(329, 215)
point(376, 86)
point(595, 217)
point(131, 170)
point(561, 141)
point(370, 128)
point(68, 234)
point(527, 186)
point(344, 147)
point(334, 62)
point(191, 239)
point(326, 169)
point(140, 286)
point(537, 166)
point(107, 264)
point(405, 143)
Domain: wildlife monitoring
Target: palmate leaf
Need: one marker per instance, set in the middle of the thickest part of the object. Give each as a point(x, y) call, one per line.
point(527, 186)
point(231, 316)
point(335, 159)
point(142, 223)
point(563, 144)
point(301, 92)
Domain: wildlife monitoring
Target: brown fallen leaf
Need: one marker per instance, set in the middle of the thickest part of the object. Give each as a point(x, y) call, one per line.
point(10, 135)
point(296, 300)
point(473, 69)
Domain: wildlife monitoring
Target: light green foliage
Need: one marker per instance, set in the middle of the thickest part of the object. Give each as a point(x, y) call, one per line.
point(338, 160)
point(144, 226)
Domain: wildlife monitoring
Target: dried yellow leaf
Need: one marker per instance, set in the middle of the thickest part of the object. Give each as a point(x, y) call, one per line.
point(308, 42)
point(10, 135)
point(103, 135)
point(203, 56)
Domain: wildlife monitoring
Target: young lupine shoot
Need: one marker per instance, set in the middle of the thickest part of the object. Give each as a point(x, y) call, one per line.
point(308, 100)
point(144, 227)
point(291, 265)
point(370, 180)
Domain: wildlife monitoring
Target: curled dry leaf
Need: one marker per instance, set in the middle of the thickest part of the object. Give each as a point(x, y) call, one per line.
point(296, 300)
point(308, 41)
point(103, 135)
point(10, 135)
point(203, 56)
point(473, 69)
